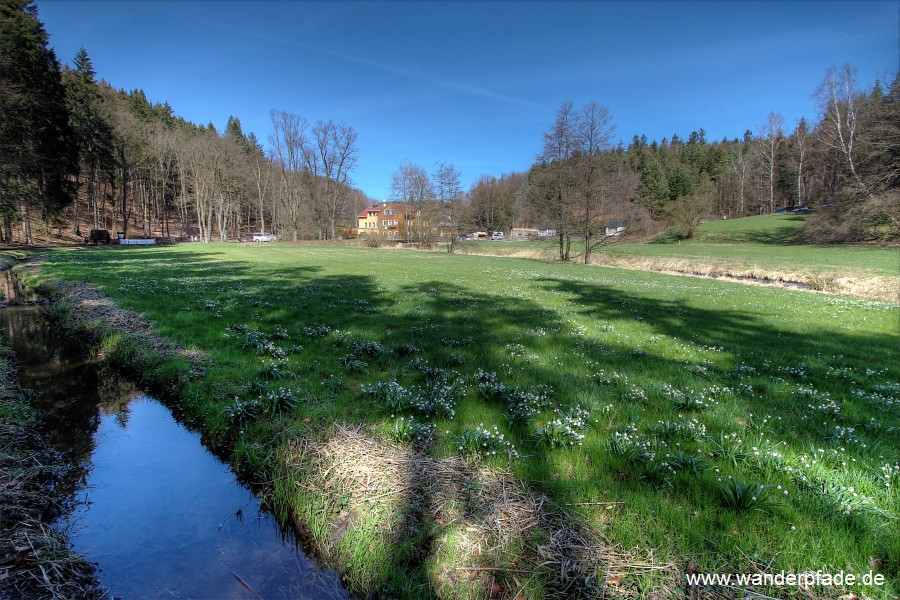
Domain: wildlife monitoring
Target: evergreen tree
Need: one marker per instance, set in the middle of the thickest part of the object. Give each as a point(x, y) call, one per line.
point(653, 188)
point(36, 153)
point(680, 182)
point(91, 129)
point(235, 134)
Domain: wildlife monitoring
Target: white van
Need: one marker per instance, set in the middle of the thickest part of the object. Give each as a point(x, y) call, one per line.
point(497, 235)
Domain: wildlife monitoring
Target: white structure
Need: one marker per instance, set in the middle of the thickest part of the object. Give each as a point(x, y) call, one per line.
point(616, 228)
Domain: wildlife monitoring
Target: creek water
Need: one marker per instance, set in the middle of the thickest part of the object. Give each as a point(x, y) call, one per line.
point(160, 515)
point(12, 292)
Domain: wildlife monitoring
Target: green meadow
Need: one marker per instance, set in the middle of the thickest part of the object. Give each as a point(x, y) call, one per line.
point(689, 424)
point(759, 247)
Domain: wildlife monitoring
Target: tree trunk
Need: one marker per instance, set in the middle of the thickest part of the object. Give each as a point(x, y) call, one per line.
point(26, 210)
point(76, 227)
point(124, 193)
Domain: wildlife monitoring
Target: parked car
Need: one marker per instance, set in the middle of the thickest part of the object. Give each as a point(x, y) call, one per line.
point(780, 211)
point(800, 209)
point(497, 235)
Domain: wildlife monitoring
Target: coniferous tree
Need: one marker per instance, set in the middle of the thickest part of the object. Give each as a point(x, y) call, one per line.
point(91, 131)
point(653, 187)
point(36, 150)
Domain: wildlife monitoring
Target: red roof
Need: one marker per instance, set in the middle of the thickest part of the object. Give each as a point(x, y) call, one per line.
point(365, 213)
point(407, 210)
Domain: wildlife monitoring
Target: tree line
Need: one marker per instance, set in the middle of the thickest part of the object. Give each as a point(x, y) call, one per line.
point(138, 168)
point(843, 165)
point(133, 164)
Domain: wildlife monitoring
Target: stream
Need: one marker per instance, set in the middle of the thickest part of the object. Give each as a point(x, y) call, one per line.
point(159, 514)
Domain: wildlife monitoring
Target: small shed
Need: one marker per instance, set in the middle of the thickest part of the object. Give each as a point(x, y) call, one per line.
point(616, 228)
point(99, 236)
point(522, 233)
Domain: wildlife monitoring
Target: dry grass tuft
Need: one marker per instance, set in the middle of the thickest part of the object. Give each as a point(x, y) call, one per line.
point(843, 284)
point(88, 308)
point(875, 287)
point(35, 560)
point(492, 536)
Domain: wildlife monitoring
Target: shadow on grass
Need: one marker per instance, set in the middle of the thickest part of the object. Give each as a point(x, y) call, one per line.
point(786, 232)
point(454, 327)
point(742, 331)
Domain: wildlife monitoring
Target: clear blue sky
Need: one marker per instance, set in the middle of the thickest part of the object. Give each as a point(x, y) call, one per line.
point(477, 83)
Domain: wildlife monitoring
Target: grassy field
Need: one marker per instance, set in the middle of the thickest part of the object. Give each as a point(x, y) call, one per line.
point(469, 426)
point(757, 247)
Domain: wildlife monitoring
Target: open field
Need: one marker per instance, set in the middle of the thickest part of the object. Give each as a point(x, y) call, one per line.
point(673, 424)
point(756, 247)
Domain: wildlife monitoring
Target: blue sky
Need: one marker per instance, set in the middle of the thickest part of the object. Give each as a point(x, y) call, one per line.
point(477, 83)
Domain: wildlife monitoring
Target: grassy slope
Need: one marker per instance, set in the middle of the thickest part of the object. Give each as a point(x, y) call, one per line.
point(770, 242)
point(793, 390)
point(752, 245)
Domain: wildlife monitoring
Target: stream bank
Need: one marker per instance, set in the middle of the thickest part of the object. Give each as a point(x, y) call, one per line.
point(137, 492)
point(36, 561)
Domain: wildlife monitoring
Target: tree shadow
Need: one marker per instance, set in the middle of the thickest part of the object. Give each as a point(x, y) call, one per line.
point(742, 332)
point(458, 328)
point(785, 233)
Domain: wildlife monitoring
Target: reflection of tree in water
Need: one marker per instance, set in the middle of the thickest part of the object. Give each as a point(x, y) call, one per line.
point(114, 393)
point(67, 387)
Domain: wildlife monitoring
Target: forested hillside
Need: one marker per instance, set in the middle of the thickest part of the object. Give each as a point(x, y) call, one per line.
point(77, 154)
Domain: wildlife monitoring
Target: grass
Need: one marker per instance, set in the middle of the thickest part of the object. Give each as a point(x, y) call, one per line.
point(646, 408)
point(762, 247)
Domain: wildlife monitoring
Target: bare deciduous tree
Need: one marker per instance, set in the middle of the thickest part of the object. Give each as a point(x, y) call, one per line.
point(560, 145)
point(289, 147)
point(801, 140)
point(572, 148)
point(449, 193)
point(770, 138)
point(741, 166)
point(411, 186)
point(841, 104)
point(334, 157)
point(594, 136)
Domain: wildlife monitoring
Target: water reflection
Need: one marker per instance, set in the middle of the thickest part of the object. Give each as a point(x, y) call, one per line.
point(161, 515)
point(63, 378)
point(13, 292)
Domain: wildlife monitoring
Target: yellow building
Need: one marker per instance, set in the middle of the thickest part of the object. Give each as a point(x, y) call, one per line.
point(388, 221)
